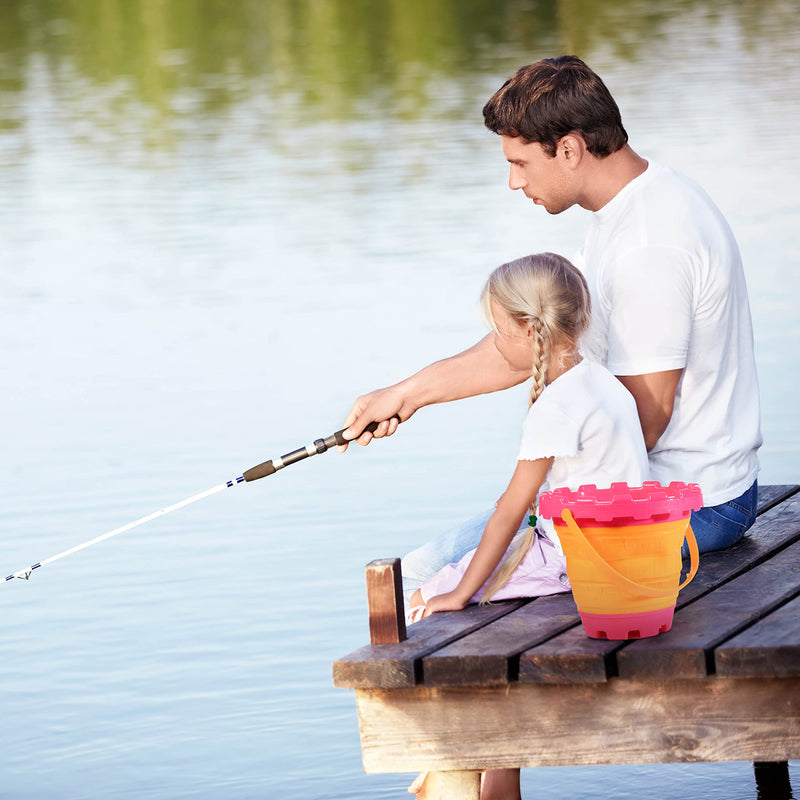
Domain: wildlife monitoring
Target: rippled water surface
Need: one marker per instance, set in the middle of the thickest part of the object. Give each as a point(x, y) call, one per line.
point(219, 223)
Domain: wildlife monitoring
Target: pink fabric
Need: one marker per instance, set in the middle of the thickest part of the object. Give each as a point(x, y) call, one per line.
point(542, 571)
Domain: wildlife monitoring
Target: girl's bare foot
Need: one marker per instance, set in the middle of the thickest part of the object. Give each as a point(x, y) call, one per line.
point(418, 784)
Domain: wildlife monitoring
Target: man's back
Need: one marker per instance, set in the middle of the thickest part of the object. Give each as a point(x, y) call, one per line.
point(669, 293)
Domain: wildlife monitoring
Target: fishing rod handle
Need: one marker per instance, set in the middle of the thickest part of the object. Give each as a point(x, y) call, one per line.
point(319, 446)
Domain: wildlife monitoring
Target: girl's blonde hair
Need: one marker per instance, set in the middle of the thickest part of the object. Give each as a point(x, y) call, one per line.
point(547, 292)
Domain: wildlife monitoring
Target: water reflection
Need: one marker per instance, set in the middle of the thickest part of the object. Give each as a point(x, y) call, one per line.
point(219, 221)
point(320, 59)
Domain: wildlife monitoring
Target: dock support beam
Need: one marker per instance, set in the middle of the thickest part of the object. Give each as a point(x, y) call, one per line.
point(772, 780)
point(387, 621)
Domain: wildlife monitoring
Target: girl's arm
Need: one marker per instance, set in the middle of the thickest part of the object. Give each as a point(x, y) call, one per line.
point(500, 530)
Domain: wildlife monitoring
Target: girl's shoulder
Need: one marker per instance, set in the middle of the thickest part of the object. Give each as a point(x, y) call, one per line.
point(585, 386)
point(585, 371)
point(599, 378)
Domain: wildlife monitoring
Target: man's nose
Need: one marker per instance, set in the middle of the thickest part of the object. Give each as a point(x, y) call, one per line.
point(515, 180)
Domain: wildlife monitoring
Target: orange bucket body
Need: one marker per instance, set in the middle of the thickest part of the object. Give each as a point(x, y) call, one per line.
point(623, 550)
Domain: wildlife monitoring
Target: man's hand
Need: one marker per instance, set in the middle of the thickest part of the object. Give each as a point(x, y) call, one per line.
point(387, 407)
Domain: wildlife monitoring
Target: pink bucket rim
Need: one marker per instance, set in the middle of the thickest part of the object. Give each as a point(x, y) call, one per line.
point(651, 500)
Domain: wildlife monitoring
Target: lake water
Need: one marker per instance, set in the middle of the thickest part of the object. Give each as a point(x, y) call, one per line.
point(220, 223)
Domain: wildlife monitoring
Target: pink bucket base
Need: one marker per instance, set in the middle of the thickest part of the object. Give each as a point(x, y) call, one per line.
point(628, 626)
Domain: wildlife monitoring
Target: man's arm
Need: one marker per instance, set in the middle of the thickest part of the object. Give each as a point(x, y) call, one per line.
point(478, 370)
point(654, 394)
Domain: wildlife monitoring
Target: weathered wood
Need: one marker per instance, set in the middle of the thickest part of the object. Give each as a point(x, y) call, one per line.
point(777, 527)
point(770, 648)
point(686, 651)
point(771, 495)
point(490, 656)
point(571, 657)
point(387, 621)
point(617, 722)
point(400, 665)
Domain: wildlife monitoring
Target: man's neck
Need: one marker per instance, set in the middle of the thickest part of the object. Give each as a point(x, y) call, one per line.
point(607, 177)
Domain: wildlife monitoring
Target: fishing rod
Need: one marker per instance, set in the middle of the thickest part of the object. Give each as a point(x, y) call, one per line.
point(252, 474)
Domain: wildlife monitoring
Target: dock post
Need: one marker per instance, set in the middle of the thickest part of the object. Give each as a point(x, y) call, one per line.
point(772, 780)
point(387, 621)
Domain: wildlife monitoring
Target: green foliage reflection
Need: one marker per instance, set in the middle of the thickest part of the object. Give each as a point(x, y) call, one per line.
point(329, 59)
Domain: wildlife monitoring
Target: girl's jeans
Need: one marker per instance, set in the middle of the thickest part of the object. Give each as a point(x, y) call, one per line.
point(423, 563)
point(714, 527)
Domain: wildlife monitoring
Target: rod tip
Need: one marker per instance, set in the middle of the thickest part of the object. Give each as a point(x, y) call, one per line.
point(23, 574)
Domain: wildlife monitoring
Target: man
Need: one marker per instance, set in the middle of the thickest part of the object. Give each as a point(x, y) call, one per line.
point(670, 306)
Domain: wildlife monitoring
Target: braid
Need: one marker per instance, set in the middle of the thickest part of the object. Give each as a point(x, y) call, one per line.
point(541, 355)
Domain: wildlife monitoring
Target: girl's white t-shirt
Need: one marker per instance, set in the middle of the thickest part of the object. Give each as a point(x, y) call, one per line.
point(586, 420)
point(668, 292)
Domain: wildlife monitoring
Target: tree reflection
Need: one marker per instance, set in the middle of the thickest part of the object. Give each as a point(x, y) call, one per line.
point(327, 59)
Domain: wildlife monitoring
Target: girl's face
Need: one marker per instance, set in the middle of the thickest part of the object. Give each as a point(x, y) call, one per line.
point(513, 340)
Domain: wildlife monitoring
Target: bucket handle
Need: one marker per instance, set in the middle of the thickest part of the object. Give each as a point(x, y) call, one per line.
point(618, 577)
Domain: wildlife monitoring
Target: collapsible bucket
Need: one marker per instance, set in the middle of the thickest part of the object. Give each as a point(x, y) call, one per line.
point(623, 549)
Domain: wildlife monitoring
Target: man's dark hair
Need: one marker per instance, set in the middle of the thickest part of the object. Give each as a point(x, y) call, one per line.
point(545, 101)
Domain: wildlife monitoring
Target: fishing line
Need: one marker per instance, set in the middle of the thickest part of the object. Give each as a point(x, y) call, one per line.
point(252, 474)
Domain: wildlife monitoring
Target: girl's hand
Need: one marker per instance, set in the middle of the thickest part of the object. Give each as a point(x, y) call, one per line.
point(444, 602)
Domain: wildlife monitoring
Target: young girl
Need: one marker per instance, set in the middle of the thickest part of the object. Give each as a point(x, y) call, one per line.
point(581, 428)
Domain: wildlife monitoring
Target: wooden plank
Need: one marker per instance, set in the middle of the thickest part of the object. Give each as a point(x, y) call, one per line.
point(617, 722)
point(686, 651)
point(770, 648)
point(387, 621)
point(777, 527)
point(771, 495)
point(572, 657)
point(490, 656)
point(400, 665)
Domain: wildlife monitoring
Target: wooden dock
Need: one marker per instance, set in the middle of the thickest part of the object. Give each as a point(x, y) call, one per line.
point(519, 684)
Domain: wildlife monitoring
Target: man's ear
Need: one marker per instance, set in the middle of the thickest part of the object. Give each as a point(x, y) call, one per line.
point(572, 149)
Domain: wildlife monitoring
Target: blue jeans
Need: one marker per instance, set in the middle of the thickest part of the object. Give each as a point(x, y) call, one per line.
point(423, 563)
point(717, 527)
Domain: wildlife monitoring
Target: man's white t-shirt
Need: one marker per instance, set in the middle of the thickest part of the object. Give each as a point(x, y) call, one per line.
point(668, 292)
